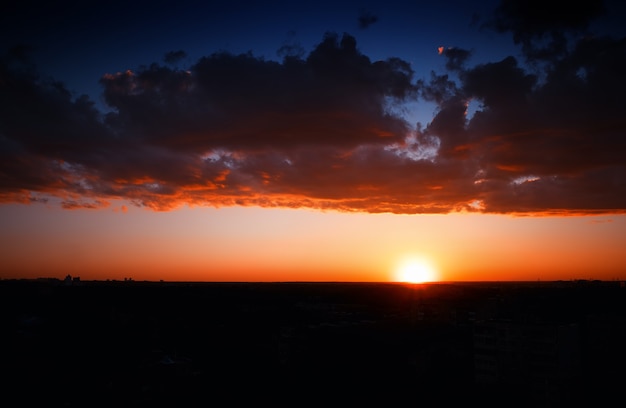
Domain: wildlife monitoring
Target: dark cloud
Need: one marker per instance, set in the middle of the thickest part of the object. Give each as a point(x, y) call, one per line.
point(536, 18)
point(335, 97)
point(366, 19)
point(557, 144)
point(174, 57)
point(541, 26)
point(456, 58)
point(319, 131)
point(73, 205)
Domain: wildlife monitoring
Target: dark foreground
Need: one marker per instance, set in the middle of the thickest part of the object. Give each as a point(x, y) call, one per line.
point(143, 344)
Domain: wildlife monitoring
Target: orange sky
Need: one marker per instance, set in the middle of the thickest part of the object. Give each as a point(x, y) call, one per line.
point(254, 244)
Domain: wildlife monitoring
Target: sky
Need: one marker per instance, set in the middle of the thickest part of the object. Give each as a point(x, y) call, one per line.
point(313, 141)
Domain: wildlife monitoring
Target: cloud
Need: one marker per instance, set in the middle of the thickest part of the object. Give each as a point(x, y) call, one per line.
point(72, 204)
point(173, 57)
point(542, 27)
point(336, 96)
point(455, 57)
point(554, 144)
point(322, 131)
point(366, 19)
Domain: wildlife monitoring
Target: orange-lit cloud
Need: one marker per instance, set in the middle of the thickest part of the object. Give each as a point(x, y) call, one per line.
point(321, 132)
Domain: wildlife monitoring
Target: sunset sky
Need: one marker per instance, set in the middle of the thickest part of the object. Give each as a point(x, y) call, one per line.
point(313, 141)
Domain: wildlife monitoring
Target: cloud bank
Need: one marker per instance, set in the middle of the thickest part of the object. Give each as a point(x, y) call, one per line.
point(323, 131)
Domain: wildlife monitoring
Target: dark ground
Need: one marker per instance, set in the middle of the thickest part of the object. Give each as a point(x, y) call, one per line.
point(144, 344)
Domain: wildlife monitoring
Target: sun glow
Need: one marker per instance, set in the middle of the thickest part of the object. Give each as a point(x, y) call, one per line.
point(414, 270)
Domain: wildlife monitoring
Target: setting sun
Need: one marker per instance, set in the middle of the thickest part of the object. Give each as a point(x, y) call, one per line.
point(415, 271)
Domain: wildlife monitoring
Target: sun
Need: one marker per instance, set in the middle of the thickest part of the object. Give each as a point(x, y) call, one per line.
point(415, 271)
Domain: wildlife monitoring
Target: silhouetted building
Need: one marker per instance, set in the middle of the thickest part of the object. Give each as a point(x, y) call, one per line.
point(71, 281)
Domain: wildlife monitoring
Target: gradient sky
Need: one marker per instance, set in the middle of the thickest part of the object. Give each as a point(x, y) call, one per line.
point(312, 141)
